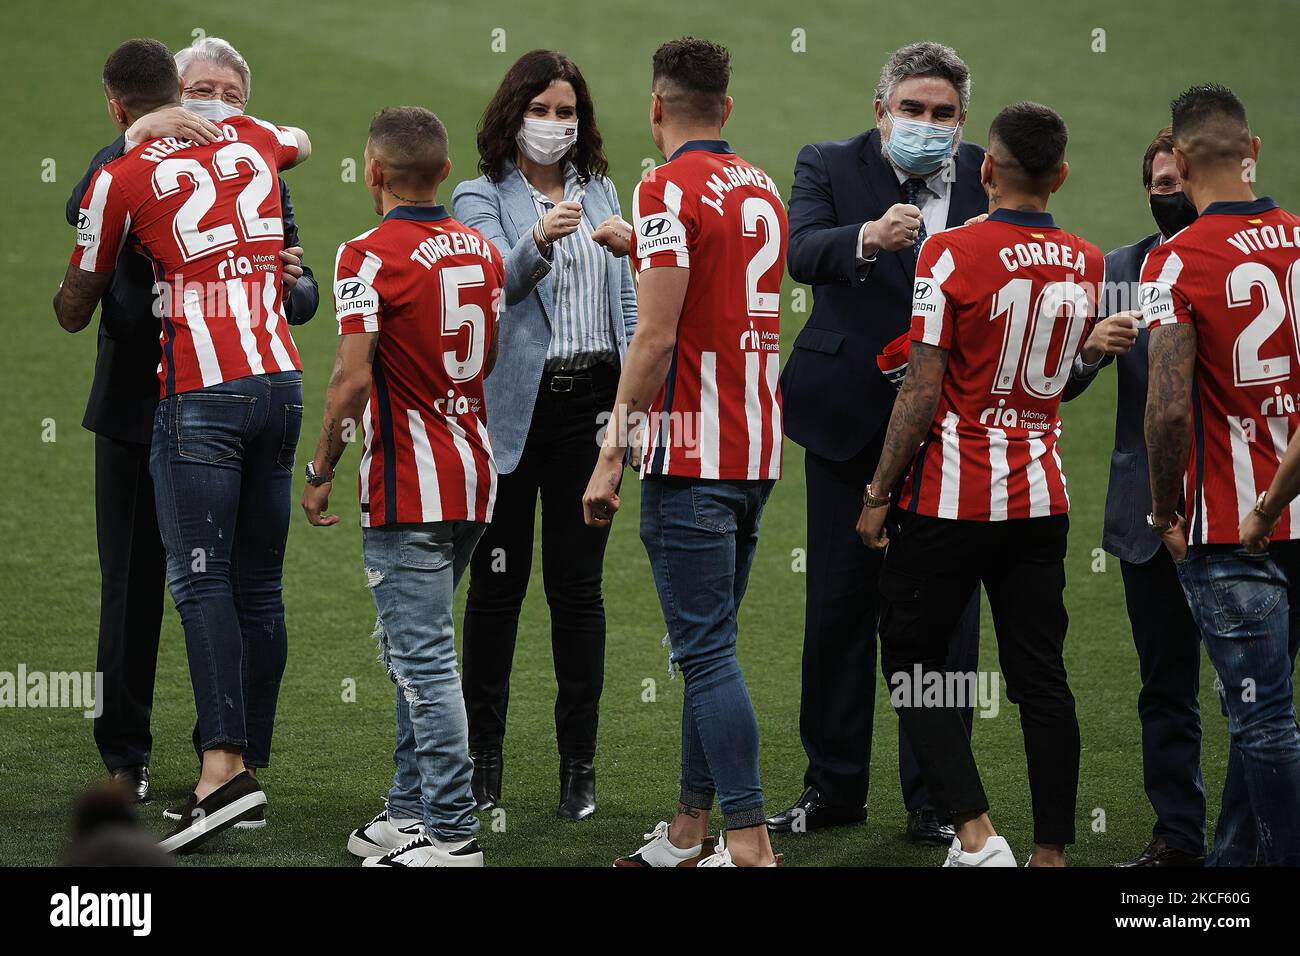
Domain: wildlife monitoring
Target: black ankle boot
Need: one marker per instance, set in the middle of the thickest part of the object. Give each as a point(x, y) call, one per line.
point(486, 780)
point(577, 788)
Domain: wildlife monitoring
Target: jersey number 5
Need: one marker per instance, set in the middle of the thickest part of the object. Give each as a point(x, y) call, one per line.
point(456, 315)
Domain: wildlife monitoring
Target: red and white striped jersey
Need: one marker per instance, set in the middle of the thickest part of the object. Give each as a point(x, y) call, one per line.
point(430, 287)
point(1233, 275)
point(209, 219)
point(718, 415)
point(1012, 300)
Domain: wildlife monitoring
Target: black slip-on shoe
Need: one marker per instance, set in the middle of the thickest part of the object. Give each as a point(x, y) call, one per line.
point(235, 800)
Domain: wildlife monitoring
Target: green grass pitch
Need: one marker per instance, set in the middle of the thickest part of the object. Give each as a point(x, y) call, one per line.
point(327, 66)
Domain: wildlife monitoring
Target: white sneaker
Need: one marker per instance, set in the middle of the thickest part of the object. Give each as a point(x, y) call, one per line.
point(660, 852)
point(996, 852)
point(382, 834)
point(723, 858)
point(426, 851)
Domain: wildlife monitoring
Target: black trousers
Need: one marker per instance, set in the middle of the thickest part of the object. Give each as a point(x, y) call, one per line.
point(556, 465)
point(133, 571)
point(1169, 660)
point(931, 567)
point(837, 706)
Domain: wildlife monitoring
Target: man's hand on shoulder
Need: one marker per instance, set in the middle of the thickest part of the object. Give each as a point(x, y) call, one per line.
point(174, 121)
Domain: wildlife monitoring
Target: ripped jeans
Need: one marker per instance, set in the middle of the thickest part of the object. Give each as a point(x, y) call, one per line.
point(413, 571)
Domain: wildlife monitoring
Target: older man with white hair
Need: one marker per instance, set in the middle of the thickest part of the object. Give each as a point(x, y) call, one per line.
point(859, 211)
point(215, 82)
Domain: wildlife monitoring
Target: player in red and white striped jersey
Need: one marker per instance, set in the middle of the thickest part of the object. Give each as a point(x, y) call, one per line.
point(427, 286)
point(999, 310)
point(1011, 299)
point(208, 215)
point(417, 300)
point(1221, 300)
point(709, 250)
point(719, 412)
point(1233, 276)
point(209, 218)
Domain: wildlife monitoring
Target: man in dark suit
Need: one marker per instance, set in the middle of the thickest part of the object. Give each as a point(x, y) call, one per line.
point(120, 411)
point(859, 210)
point(1167, 640)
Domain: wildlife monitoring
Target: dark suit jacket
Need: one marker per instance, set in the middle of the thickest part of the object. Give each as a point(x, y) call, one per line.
point(1128, 495)
point(124, 393)
point(834, 398)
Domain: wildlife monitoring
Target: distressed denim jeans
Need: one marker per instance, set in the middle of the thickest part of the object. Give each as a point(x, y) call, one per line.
point(222, 466)
point(413, 571)
point(701, 536)
point(1248, 609)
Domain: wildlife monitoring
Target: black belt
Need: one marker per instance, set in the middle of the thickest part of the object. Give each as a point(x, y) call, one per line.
point(566, 381)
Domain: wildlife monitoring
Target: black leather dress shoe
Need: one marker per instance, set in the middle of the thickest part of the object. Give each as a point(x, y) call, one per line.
point(926, 829)
point(136, 781)
point(486, 779)
point(1160, 853)
point(577, 788)
point(812, 812)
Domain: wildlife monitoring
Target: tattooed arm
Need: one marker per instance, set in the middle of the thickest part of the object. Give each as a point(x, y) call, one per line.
point(78, 296)
point(1172, 360)
point(911, 419)
point(660, 294)
point(345, 402)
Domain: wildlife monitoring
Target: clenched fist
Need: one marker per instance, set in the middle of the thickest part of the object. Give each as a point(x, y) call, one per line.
point(1114, 335)
point(896, 229)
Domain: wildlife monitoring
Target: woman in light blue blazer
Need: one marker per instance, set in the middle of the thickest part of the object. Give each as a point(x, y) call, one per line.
point(545, 202)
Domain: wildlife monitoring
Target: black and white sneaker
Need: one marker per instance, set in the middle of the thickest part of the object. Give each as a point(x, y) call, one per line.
point(235, 800)
point(426, 851)
point(382, 834)
point(255, 821)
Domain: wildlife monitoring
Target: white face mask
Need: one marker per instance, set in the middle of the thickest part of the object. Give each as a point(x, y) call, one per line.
point(546, 141)
point(214, 110)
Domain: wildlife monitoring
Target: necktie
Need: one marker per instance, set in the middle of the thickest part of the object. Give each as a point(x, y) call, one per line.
point(911, 193)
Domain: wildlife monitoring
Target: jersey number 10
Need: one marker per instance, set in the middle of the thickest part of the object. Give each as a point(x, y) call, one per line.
point(1028, 335)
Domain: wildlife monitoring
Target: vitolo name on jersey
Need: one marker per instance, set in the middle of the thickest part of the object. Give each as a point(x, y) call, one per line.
point(1261, 237)
point(720, 184)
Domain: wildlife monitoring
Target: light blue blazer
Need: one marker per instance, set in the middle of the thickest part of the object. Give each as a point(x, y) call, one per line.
point(505, 214)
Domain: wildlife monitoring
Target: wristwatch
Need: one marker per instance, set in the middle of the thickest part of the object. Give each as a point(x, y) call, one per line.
point(873, 501)
point(1159, 529)
point(316, 480)
point(1259, 506)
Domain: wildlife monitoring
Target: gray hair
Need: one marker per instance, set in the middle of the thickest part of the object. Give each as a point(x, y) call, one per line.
point(215, 50)
point(925, 59)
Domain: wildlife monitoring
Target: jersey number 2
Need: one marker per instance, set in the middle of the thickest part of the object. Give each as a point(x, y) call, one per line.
point(195, 241)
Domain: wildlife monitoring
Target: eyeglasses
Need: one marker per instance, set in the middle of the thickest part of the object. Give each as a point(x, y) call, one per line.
point(205, 92)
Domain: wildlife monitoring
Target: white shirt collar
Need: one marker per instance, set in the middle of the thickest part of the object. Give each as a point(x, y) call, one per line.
point(935, 182)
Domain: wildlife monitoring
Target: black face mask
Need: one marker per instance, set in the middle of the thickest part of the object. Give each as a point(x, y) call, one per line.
point(1173, 212)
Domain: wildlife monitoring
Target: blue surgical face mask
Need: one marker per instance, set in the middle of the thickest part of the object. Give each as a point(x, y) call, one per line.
point(919, 147)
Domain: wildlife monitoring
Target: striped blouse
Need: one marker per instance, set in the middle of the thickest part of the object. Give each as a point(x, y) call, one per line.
point(581, 334)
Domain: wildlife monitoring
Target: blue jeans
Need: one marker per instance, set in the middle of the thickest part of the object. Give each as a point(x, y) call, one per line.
point(701, 536)
point(413, 571)
point(1248, 610)
point(222, 466)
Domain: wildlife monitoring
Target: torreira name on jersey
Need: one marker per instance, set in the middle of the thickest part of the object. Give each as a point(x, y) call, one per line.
point(430, 287)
